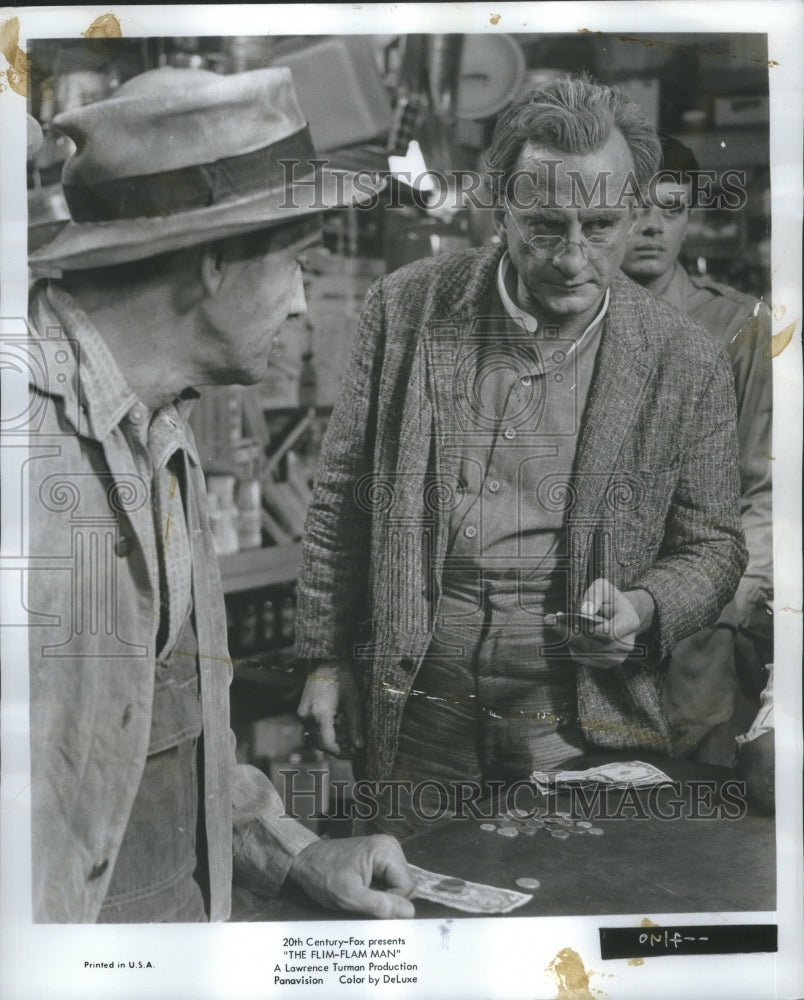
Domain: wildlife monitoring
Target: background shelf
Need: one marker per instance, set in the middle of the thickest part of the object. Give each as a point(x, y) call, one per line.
point(255, 568)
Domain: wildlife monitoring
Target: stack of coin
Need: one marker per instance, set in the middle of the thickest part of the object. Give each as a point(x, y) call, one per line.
point(559, 825)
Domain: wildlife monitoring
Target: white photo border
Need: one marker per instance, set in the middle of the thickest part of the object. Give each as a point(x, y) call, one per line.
point(463, 958)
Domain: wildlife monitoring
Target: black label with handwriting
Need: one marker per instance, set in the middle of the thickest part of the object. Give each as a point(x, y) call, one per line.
point(642, 942)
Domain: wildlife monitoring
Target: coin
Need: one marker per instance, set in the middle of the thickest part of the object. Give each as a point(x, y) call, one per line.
point(528, 883)
point(560, 834)
point(595, 831)
point(508, 825)
point(519, 813)
point(508, 831)
point(451, 885)
point(535, 824)
point(584, 824)
point(528, 831)
point(487, 826)
point(562, 815)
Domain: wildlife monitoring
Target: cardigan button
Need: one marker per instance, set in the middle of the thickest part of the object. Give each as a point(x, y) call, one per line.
point(98, 869)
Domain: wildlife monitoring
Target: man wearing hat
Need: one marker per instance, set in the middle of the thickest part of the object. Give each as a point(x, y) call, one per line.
point(701, 689)
point(177, 269)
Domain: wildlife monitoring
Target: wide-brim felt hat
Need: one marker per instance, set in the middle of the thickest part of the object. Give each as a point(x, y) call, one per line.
point(178, 157)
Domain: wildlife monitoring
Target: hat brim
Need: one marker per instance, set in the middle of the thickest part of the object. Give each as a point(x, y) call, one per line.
point(78, 246)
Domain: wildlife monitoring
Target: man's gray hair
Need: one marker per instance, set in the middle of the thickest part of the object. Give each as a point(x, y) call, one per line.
point(573, 114)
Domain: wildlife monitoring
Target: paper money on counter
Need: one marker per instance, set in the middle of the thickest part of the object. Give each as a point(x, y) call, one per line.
point(628, 774)
point(471, 897)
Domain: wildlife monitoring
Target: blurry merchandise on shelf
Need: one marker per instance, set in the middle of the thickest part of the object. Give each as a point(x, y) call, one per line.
point(249, 498)
point(223, 514)
point(261, 620)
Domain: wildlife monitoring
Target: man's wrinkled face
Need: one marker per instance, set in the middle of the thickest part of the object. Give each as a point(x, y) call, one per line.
point(658, 235)
point(586, 199)
point(262, 287)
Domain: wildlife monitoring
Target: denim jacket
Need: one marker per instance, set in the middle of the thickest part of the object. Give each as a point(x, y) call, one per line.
point(92, 597)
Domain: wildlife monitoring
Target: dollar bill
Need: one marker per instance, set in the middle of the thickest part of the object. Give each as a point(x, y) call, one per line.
point(634, 774)
point(471, 897)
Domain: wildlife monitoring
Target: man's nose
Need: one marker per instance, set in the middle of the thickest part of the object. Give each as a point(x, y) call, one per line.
point(571, 259)
point(651, 221)
point(298, 301)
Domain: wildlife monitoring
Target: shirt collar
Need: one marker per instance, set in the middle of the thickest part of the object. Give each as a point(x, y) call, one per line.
point(526, 319)
point(675, 289)
point(79, 366)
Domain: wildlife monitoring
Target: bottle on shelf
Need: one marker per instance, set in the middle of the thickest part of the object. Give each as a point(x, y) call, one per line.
point(222, 512)
point(249, 495)
point(246, 629)
point(268, 621)
point(286, 616)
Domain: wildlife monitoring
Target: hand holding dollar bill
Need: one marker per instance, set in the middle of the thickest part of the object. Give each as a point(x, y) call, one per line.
point(471, 897)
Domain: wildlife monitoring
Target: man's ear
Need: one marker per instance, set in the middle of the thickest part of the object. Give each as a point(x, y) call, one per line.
point(212, 267)
point(198, 274)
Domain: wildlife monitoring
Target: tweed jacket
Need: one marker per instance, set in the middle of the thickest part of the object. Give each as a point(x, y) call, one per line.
point(92, 578)
point(653, 501)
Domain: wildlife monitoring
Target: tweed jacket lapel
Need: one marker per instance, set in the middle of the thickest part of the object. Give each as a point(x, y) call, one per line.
point(621, 374)
point(449, 327)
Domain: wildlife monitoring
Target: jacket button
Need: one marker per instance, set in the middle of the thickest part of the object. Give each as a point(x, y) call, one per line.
point(470, 531)
point(509, 433)
point(124, 546)
point(98, 869)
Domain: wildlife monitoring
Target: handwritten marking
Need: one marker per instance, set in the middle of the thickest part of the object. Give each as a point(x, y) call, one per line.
point(644, 922)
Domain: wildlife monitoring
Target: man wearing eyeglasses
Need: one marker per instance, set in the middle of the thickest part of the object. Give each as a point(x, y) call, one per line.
point(705, 702)
point(528, 493)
